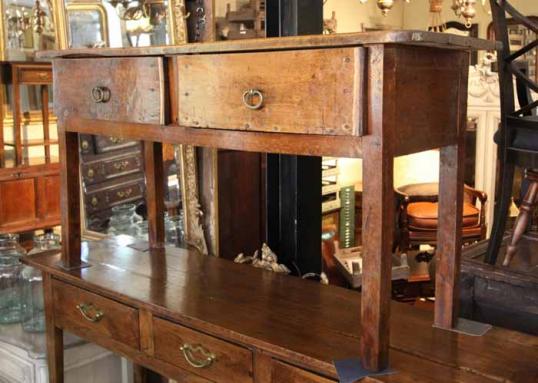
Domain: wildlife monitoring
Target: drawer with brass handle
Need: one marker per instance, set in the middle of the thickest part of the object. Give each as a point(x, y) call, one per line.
point(106, 167)
point(320, 88)
point(126, 89)
point(202, 354)
point(94, 316)
point(35, 75)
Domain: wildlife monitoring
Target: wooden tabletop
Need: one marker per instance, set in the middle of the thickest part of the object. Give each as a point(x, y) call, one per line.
point(297, 320)
point(409, 37)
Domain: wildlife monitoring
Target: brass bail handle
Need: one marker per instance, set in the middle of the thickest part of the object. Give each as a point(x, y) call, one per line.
point(250, 95)
point(90, 312)
point(189, 351)
point(100, 94)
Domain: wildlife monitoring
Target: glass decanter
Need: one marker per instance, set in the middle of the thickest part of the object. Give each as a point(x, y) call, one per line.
point(124, 220)
point(10, 270)
point(32, 303)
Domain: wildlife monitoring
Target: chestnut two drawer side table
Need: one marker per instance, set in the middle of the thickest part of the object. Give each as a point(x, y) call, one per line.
point(200, 319)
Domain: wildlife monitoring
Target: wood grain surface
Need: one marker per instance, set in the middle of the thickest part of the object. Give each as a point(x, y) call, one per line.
point(316, 91)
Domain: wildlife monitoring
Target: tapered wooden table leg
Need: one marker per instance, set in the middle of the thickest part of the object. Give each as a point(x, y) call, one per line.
point(448, 252)
point(70, 197)
point(55, 344)
point(378, 219)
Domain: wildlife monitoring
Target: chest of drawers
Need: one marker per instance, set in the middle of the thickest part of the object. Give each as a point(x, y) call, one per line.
point(201, 319)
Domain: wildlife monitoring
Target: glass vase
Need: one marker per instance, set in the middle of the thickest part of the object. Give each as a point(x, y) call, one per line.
point(32, 303)
point(10, 272)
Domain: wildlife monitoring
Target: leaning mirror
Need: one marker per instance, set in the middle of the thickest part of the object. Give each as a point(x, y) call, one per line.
point(112, 168)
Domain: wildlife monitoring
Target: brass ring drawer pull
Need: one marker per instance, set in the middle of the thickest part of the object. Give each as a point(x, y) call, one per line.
point(94, 201)
point(250, 95)
point(188, 351)
point(100, 94)
point(90, 313)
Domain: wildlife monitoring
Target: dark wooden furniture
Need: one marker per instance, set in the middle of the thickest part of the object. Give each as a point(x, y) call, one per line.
point(418, 215)
point(518, 134)
point(112, 171)
point(160, 94)
point(32, 181)
point(503, 296)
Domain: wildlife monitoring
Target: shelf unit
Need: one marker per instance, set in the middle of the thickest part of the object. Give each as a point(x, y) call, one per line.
point(29, 167)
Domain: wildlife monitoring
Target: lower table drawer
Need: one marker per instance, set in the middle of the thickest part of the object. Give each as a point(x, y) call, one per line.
point(204, 355)
point(93, 316)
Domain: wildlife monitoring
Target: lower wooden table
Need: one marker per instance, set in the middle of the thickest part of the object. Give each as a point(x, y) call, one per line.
point(204, 319)
point(370, 95)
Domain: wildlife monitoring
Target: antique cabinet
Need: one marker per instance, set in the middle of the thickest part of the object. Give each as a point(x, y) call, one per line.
point(203, 319)
point(29, 169)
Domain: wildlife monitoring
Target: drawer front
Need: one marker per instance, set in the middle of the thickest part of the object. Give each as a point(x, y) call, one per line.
point(104, 144)
point(282, 372)
point(309, 91)
point(92, 316)
point(128, 89)
point(114, 195)
point(117, 166)
point(35, 75)
point(192, 351)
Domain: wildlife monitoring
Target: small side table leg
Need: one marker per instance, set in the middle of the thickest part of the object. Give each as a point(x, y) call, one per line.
point(154, 168)
point(70, 197)
point(449, 241)
point(55, 343)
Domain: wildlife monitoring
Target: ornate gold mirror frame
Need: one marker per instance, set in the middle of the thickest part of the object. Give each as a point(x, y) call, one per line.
point(186, 155)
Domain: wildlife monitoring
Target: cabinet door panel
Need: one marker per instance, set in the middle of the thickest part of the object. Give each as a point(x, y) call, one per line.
point(48, 201)
point(17, 202)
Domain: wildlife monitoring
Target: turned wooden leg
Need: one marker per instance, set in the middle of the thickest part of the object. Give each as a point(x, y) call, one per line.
point(55, 343)
point(449, 239)
point(522, 221)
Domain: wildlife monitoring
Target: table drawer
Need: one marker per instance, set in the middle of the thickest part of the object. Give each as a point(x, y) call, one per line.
point(204, 355)
point(315, 91)
point(128, 89)
point(35, 75)
point(282, 372)
point(114, 192)
point(92, 316)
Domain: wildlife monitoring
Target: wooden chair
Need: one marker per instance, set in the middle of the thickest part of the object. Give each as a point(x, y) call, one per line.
point(517, 137)
point(418, 215)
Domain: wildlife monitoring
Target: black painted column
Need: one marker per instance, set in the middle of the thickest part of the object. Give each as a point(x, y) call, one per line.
point(293, 183)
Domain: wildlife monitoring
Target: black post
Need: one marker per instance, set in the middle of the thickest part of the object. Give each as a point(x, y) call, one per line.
point(294, 182)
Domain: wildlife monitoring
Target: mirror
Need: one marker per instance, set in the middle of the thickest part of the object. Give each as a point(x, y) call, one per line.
point(87, 25)
point(27, 27)
point(112, 168)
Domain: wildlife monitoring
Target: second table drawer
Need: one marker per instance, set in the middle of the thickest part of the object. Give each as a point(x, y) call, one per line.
point(204, 355)
point(315, 91)
point(93, 316)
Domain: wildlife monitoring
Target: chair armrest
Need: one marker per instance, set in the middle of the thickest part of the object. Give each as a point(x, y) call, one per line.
point(482, 196)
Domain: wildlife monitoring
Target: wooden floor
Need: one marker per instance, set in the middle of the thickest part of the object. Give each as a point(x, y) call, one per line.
point(503, 296)
point(299, 321)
